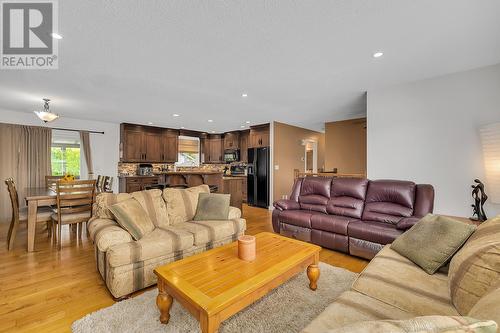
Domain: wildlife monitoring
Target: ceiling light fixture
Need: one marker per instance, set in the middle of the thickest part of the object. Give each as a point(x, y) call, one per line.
point(150, 123)
point(213, 131)
point(182, 127)
point(378, 54)
point(46, 116)
point(244, 95)
point(210, 121)
point(247, 122)
point(55, 35)
point(175, 115)
point(242, 126)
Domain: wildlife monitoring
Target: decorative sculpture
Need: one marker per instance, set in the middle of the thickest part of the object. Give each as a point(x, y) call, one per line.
point(480, 198)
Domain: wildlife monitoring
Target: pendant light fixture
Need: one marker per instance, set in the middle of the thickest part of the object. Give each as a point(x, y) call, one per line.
point(46, 116)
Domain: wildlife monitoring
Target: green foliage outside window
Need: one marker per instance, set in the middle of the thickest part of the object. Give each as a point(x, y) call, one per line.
point(65, 160)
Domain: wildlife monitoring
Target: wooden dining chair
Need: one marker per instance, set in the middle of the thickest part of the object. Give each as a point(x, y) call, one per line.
point(74, 205)
point(51, 181)
point(104, 184)
point(21, 214)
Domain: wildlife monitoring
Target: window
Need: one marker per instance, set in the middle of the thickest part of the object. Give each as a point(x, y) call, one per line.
point(65, 153)
point(189, 151)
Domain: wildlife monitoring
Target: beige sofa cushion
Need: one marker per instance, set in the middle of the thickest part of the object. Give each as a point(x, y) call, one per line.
point(427, 324)
point(152, 202)
point(395, 280)
point(181, 203)
point(132, 217)
point(352, 307)
point(475, 269)
point(234, 213)
point(488, 307)
point(155, 244)
point(206, 232)
point(105, 200)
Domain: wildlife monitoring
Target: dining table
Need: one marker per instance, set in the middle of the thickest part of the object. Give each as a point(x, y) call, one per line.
point(37, 197)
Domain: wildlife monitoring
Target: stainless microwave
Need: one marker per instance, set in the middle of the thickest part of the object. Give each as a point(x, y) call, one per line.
point(231, 155)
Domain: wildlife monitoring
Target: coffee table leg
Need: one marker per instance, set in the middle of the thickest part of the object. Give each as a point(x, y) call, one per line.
point(313, 275)
point(208, 324)
point(164, 302)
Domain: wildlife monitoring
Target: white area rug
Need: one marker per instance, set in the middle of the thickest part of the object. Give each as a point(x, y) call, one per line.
point(288, 308)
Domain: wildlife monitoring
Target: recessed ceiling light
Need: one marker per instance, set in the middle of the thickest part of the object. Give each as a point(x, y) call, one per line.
point(55, 35)
point(150, 123)
point(210, 121)
point(244, 95)
point(242, 126)
point(213, 131)
point(182, 127)
point(378, 54)
point(175, 115)
point(247, 122)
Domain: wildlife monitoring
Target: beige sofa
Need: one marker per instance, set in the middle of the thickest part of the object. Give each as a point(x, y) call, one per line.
point(127, 265)
point(393, 288)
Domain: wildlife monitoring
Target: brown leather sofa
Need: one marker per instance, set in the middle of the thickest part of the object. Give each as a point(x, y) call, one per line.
point(352, 215)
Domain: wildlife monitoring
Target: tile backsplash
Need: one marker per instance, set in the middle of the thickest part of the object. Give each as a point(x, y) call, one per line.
point(129, 169)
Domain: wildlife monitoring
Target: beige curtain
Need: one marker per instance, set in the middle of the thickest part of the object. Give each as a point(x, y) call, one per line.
point(25, 156)
point(85, 144)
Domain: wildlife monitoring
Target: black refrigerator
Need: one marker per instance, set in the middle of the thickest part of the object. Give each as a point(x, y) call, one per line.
point(258, 177)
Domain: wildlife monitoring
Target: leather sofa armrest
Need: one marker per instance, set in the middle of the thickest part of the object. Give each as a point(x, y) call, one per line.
point(286, 204)
point(407, 222)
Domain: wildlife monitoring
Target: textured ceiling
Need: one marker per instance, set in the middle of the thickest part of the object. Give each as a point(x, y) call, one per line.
point(301, 62)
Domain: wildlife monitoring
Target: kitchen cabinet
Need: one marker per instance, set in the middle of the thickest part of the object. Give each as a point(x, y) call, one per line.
point(131, 143)
point(232, 140)
point(212, 147)
point(153, 145)
point(148, 144)
point(244, 137)
point(259, 136)
point(136, 183)
point(170, 146)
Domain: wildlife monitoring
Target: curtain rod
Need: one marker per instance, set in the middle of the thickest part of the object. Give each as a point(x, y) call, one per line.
point(74, 130)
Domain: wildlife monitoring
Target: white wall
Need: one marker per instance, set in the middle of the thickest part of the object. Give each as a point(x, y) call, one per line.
point(427, 132)
point(105, 148)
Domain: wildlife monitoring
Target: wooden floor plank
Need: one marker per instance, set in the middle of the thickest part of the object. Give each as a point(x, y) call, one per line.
point(47, 290)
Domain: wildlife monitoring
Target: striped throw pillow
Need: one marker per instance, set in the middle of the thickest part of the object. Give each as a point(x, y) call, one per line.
point(131, 216)
point(153, 203)
point(475, 269)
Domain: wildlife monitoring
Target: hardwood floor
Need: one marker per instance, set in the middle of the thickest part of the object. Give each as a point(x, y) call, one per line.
point(45, 291)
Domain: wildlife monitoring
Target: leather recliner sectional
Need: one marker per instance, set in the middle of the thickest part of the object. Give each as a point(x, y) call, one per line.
point(352, 215)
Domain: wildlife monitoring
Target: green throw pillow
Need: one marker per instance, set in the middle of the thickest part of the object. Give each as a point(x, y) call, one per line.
point(212, 206)
point(432, 241)
point(132, 217)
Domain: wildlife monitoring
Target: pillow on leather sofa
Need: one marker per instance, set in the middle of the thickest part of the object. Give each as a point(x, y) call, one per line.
point(433, 241)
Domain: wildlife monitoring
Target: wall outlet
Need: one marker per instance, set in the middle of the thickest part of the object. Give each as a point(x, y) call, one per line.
point(276, 167)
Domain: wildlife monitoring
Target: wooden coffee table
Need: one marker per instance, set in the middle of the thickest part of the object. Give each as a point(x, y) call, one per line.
point(216, 284)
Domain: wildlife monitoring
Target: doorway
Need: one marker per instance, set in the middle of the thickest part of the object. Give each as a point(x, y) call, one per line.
point(310, 156)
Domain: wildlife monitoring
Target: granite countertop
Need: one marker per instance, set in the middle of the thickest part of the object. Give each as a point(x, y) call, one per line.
point(199, 172)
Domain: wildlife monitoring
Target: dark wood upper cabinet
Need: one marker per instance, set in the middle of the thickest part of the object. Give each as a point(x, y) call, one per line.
point(148, 144)
point(153, 146)
point(232, 140)
point(170, 146)
point(216, 149)
point(131, 143)
point(244, 137)
point(259, 136)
